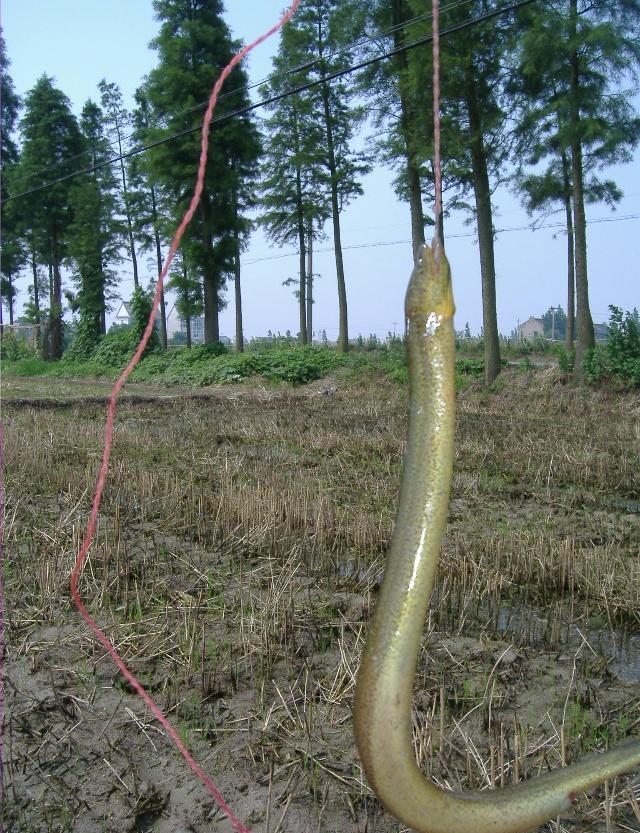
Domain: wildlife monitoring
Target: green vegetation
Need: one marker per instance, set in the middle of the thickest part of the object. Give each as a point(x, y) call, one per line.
point(619, 358)
point(209, 364)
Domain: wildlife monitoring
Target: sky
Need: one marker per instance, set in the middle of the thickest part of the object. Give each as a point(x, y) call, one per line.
point(79, 42)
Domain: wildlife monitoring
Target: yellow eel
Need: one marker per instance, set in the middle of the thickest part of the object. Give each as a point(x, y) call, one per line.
point(382, 707)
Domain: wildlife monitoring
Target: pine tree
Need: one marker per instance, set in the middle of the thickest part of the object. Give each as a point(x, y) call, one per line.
point(95, 236)
point(13, 254)
point(475, 134)
point(318, 31)
point(146, 200)
point(295, 189)
point(9, 109)
point(50, 139)
point(194, 44)
point(393, 107)
point(118, 120)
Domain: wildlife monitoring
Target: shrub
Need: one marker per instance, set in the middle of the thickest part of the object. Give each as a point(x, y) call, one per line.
point(13, 349)
point(211, 364)
point(115, 348)
point(141, 304)
point(83, 344)
point(566, 358)
point(470, 367)
point(596, 365)
point(623, 345)
point(619, 358)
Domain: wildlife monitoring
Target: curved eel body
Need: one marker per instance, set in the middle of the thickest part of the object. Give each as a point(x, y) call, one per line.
point(382, 707)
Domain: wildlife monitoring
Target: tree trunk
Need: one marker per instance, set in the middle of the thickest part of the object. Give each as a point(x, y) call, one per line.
point(56, 307)
point(343, 326)
point(10, 298)
point(127, 212)
point(310, 284)
point(156, 237)
point(585, 339)
point(36, 288)
point(407, 117)
point(103, 312)
point(187, 319)
point(302, 291)
point(238, 294)
point(210, 279)
point(302, 278)
point(482, 192)
point(50, 267)
point(571, 263)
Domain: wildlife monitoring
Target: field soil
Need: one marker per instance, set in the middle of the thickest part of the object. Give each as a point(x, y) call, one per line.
point(240, 548)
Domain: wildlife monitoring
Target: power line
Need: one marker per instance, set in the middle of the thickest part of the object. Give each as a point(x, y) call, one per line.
point(245, 88)
point(531, 228)
point(279, 97)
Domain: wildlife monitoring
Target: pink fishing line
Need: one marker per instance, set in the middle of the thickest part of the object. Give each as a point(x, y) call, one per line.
point(108, 438)
point(437, 161)
point(1, 620)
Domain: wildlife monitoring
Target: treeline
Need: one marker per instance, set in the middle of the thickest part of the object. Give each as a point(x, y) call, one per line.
point(534, 95)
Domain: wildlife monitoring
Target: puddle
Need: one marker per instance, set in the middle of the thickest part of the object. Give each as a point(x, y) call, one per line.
point(630, 506)
point(524, 622)
point(538, 625)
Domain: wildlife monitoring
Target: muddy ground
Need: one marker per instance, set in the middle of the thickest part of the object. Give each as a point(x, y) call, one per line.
point(239, 552)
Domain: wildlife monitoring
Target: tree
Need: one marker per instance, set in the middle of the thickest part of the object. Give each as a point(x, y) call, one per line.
point(95, 236)
point(50, 139)
point(295, 188)
point(475, 134)
point(118, 119)
point(9, 109)
point(141, 304)
point(318, 22)
point(394, 109)
point(188, 289)
point(14, 257)
point(576, 58)
point(194, 45)
point(542, 191)
point(13, 254)
point(145, 198)
point(244, 197)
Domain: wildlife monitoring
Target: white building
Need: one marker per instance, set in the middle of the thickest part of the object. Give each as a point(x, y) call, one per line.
point(175, 323)
point(123, 316)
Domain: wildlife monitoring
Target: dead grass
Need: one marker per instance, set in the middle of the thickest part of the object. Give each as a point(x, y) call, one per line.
point(241, 540)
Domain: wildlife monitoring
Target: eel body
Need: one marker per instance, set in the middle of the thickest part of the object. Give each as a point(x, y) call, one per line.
point(382, 706)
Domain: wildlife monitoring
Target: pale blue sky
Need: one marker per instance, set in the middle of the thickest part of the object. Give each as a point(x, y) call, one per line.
point(81, 41)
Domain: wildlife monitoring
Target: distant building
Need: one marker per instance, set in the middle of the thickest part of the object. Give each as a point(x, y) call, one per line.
point(176, 324)
point(601, 332)
point(531, 328)
point(123, 316)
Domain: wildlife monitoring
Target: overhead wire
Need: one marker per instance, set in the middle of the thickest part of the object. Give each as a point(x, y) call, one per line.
point(247, 87)
point(454, 235)
point(280, 96)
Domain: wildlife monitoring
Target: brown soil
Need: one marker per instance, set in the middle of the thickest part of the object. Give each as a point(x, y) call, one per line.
point(240, 547)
